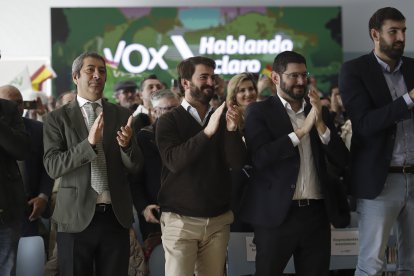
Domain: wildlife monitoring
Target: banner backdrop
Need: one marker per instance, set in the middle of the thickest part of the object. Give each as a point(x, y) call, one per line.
point(137, 42)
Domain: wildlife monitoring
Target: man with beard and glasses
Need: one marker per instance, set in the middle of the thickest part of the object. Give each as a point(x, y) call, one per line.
point(377, 91)
point(198, 146)
point(290, 200)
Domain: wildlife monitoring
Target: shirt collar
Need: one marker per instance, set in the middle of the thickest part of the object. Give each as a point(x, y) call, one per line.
point(83, 101)
point(287, 105)
point(187, 106)
point(385, 67)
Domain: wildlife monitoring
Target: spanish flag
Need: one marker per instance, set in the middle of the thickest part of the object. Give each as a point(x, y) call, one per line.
point(43, 73)
point(267, 70)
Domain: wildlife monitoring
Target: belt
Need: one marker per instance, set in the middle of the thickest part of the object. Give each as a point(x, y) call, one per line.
point(305, 202)
point(401, 169)
point(102, 207)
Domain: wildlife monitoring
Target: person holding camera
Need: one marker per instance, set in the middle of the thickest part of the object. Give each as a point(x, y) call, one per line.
point(37, 183)
point(14, 145)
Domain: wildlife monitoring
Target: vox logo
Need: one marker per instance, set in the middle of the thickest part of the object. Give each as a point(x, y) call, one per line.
point(149, 57)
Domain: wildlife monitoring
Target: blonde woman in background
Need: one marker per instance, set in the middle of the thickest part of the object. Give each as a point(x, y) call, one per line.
point(241, 91)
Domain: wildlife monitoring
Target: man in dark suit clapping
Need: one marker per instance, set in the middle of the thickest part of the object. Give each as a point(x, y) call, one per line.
point(289, 200)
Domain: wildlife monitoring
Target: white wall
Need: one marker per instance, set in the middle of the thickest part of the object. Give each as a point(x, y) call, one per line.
point(25, 31)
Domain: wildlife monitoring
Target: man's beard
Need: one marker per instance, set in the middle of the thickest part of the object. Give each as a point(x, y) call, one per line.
point(390, 51)
point(202, 94)
point(289, 90)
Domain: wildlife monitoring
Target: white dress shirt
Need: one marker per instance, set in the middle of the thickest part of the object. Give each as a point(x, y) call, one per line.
point(193, 112)
point(307, 184)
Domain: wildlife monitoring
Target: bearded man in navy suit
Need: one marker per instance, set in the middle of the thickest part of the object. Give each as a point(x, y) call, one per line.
point(291, 199)
point(378, 91)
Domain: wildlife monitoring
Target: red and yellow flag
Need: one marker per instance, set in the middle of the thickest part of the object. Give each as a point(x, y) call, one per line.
point(43, 73)
point(267, 70)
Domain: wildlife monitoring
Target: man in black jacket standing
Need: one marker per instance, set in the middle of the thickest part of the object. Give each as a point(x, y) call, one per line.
point(37, 183)
point(14, 145)
point(290, 201)
point(378, 92)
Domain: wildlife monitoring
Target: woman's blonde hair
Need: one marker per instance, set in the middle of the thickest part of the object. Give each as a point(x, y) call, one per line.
point(233, 86)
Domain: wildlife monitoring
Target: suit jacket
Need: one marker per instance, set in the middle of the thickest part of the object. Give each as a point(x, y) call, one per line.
point(68, 155)
point(276, 166)
point(374, 116)
point(14, 145)
point(38, 181)
point(35, 178)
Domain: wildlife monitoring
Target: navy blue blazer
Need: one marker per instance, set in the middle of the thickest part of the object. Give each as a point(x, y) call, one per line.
point(374, 116)
point(276, 166)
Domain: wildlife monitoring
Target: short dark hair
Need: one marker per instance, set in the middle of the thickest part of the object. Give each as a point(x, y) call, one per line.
point(388, 13)
point(186, 68)
point(78, 62)
point(284, 58)
point(150, 77)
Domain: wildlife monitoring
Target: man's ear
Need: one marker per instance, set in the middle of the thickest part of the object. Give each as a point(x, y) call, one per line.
point(375, 34)
point(75, 79)
point(275, 77)
point(185, 83)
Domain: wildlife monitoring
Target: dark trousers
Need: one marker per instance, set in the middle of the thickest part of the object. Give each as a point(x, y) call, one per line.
point(305, 234)
point(103, 245)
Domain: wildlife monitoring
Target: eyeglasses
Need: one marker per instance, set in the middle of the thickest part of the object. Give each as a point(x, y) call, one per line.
point(165, 109)
point(295, 75)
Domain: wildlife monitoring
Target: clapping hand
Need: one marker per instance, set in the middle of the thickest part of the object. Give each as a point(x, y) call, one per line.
point(95, 133)
point(233, 117)
point(124, 134)
point(317, 106)
point(214, 121)
point(307, 125)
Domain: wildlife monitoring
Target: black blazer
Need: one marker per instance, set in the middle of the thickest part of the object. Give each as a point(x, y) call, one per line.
point(38, 181)
point(276, 165)
point(374, 116)
point(14, 145)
